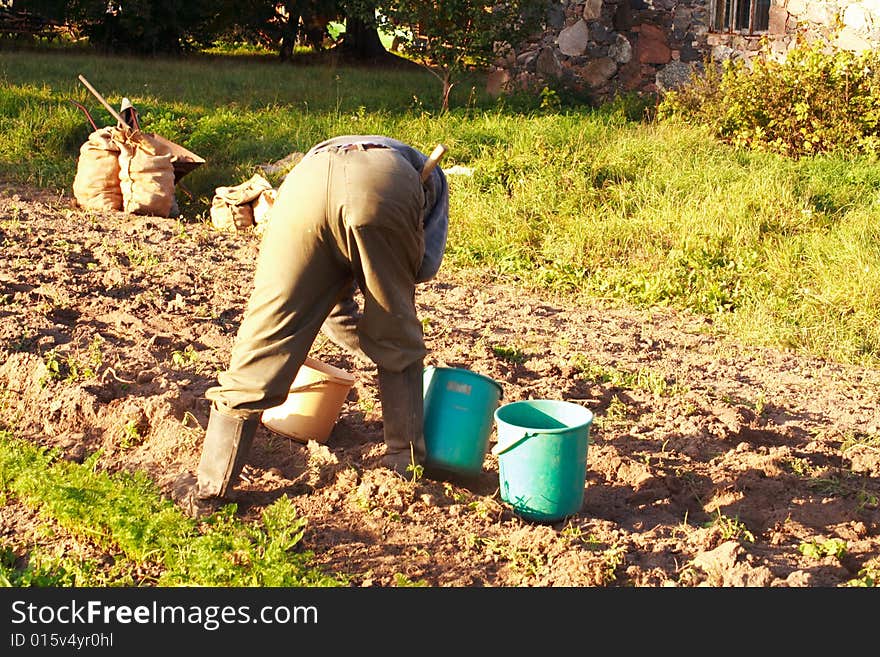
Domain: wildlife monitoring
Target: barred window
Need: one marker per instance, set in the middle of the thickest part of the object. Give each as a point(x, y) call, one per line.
point(740, 16)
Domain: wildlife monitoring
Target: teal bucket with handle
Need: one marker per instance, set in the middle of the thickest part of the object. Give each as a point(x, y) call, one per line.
point(542, 457)
point(459, 409)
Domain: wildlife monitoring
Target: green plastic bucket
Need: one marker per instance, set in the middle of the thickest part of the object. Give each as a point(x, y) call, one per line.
point(459, 407)
point(542, 457)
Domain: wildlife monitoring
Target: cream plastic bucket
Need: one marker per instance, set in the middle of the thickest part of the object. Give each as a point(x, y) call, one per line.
point(313, 405)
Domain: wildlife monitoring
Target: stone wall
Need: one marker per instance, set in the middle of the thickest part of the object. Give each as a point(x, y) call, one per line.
point(604, 48)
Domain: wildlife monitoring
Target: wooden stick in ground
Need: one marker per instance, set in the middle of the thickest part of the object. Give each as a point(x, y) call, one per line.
point(110, 109)
point(435, 157)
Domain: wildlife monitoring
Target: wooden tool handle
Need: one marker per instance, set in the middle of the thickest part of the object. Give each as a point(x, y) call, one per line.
point(435, 157)
point(110, 109)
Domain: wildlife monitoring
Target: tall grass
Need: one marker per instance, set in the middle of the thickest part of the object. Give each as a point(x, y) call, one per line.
point(577, 200)
point(779, 252)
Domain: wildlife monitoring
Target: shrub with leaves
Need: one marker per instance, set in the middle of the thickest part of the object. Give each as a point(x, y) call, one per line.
point(447, 37)
point(812, 102)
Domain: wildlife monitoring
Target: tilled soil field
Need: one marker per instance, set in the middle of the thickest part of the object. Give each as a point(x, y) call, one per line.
point(710, 463)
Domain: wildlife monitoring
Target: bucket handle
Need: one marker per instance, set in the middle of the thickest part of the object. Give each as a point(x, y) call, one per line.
point(305, 388)
point(498, 450)
point(312, 385)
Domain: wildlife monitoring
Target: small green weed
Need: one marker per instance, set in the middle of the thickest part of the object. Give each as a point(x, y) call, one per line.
point(131, 435)
point(138, 256)
point(731, 528)
point(760, 404)
point(23, 342)
point(68, 368)
point(181, 234)
point(528, 562)
point(480, 509)
point(188, 358)
point(510, 354)
point(837, 484)
point(402, 581)
point(655, 457)
point(868, 576)
point(612, 559)
point(574, 534)
point(457, 496)
point(363, 502)
point(571, 532)
point(95, 351)
point(834, 485)
point(801, 467)
point(866, 500)
point(53, 367)
point(190, 421)
point(832, 547)
point(416, 472)
point(39, 568)
point(615, 415)
point(78, 372)
point(641, 379)
point(854, 442)
point(550, 101)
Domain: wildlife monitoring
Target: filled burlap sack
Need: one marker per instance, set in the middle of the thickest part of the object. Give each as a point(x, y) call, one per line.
point(232, 208)
point(146, 174)
point(96, 184)
point(228, 216)
point(262, 207)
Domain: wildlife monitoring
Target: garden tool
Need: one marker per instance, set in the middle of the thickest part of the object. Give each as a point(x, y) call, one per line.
point(433, 160)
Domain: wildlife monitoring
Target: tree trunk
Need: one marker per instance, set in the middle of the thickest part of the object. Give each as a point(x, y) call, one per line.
point(361, 41)
point(289, 30)
point(447, 88)
point(288, 40)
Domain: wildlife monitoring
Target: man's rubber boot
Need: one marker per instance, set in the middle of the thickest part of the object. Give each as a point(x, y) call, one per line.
point(341, 325)
point(227, 441)
point(403, 418)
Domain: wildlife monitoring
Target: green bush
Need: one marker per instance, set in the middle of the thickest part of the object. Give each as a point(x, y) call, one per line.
point(812, 102)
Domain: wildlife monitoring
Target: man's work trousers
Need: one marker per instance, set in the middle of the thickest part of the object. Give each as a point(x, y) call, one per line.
point(340, 214)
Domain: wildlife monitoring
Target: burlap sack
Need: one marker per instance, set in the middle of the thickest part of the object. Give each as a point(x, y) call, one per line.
point(263, 204)
point(96, 184)
point(146, 174)
point(227, 216)
point(262, 207)
point(232, 208)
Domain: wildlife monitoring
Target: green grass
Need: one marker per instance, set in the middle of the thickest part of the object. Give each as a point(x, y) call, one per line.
point(151, 541)
point(571, 199)
point(236, 112)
